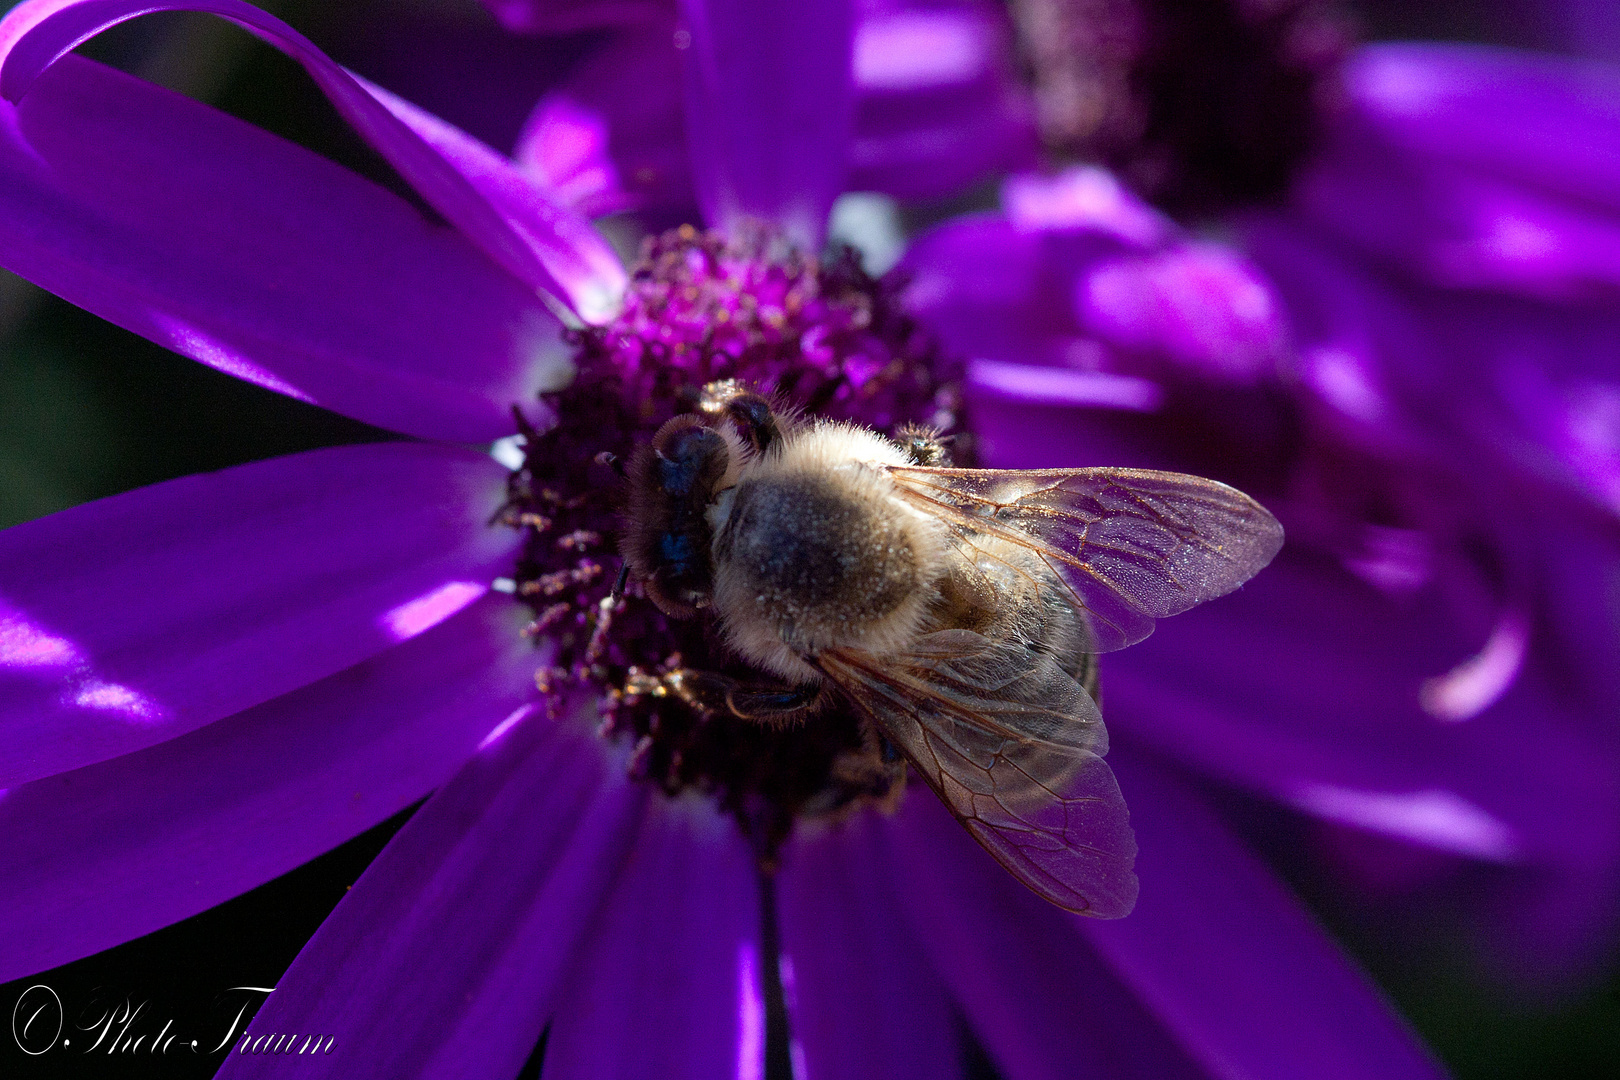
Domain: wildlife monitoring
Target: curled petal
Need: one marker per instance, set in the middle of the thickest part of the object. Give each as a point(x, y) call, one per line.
point(583, 265)
point(38, 33)
point(259, 258)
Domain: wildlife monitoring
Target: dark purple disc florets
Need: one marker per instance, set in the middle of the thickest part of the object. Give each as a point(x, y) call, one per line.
point(821, 335)
point(1201, 105)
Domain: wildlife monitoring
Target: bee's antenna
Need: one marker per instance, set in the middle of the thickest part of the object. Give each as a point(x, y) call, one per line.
point(612, 461)
point(618, 585)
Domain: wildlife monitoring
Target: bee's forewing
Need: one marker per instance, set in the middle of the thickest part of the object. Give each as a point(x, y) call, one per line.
point(1010, 743)
point(1133, 545)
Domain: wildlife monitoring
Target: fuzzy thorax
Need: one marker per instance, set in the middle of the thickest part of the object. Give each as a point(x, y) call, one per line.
point(816, 551)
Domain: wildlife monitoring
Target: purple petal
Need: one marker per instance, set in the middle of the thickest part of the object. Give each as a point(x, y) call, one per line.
point(1289, 1003)
point(629, 90)
point(264, 260)
point(566, 145)
point(1536, 118)
point(112, 851)
point(994, 292)
point(1002, 287)
point(38, 33)
point(1079, 273)
point(1218, 971)
point(137, 618)
point(770, 107)
point(582, 264)
point(1551, 933)
point(841, 922)
point(450, 953)
point(1198, 306)
point(669, 982)
point(1478, 167)
point(939, 106)
point(928, 119)
point(1036, 995)
point(1451, 378)
point(1084, 198)
point(1306, 685)
point(1031, 384)
point(566, 16)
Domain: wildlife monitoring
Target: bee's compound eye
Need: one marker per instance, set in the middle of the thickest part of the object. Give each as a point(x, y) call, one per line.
point(686, 450)
point(675, 432)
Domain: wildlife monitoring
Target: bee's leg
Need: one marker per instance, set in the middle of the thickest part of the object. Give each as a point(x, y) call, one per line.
point(721, 693)
point(876, 772)
point(750, 411)
point(773, 705)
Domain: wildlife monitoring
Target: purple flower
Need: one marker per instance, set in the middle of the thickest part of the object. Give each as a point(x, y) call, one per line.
point(937, 107)
point(1406, 348)
point(208, 682)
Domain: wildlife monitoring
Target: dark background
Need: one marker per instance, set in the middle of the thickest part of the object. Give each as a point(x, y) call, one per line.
point(87, 410)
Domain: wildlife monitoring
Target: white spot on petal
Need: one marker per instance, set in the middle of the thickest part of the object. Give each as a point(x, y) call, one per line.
point(1435, 818)
point(508, 452)
point(909, 50)
point(117, 698)
point(750, 1015)
point(870, 223)
point(1061, 386)
point(506, 725)
point(428, 610)
point(24, 644)
point(1474, 685)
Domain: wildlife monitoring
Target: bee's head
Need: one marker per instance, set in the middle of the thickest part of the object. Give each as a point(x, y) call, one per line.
point(673, 481)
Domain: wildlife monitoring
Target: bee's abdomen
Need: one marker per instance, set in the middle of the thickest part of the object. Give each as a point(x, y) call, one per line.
point(825, 564)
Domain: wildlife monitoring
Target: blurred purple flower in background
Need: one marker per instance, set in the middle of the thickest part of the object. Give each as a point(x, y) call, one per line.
point(263, 662)
point(936, 105)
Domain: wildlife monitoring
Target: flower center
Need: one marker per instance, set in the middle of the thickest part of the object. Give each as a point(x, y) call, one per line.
point(1199, 104)
point(822, 334)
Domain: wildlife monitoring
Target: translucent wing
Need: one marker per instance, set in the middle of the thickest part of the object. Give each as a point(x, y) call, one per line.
point(1133, 545)
point(1012, 745)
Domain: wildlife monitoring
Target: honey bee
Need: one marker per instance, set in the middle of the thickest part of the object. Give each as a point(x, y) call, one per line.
point(958, 611)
